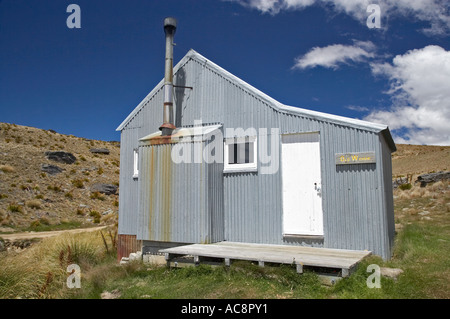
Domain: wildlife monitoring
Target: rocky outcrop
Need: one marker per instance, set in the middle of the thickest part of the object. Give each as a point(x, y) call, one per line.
point(137, 256)
point(425, 179)
point(51, 169)
point(18, 244)
point(115, 294)
point(99, 151)
point(392, 273)
point(61, 157)
point(107, 189)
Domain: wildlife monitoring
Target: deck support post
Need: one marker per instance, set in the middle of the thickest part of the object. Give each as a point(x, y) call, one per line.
point(196, 260)
point(345, 272)
point(261, 263)
point(227, 262)
point(167, 258)
point(299, 268)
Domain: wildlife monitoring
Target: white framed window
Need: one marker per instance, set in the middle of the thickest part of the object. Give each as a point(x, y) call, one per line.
point(240, 154)
point(135, 163)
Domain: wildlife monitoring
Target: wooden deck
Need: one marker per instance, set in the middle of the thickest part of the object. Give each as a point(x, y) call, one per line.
point(301, 256)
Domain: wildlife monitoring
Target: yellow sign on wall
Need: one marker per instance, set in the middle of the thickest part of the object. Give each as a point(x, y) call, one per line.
point(355, 158)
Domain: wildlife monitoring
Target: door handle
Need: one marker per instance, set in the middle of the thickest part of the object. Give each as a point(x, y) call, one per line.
point(318, 189)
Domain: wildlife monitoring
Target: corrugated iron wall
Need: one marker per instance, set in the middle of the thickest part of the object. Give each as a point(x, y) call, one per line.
point(145, 122)
point(388, 197)
point(179, 202)
point(215, 201)
point(357, 202)
point(128, 201)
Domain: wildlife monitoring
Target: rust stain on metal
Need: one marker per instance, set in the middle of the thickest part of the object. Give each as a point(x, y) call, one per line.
point(204, 218)
point(167, 125)
point(127, 244)
point(159, 191)
point(166, 139)
point(151, 180)
point(159, 140)
point(167, 194)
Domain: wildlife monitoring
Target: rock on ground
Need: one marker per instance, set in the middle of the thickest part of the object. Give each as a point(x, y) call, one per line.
point(424, 179)
point(399, 181)
point(115, 294)
point(391, 272)
point(107, 189)
point(99, 151)
point(51, 169)
point(61, 157)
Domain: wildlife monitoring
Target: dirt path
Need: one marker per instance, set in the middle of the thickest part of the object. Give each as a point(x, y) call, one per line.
point(45, 234)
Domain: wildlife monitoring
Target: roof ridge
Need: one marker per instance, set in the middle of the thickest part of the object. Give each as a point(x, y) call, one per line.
point(283, 107)
point(192, 54)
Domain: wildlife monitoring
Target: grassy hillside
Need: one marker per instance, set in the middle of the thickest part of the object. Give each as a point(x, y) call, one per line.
point(420, 159)
point(31, 199)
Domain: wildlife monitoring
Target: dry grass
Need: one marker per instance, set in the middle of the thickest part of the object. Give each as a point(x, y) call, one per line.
point(34, 203)
point(22, 180)
point(420, 159)
point(40, 271)
point(6, 168)
point(423, 205)
point(423, 232)
point(435, 191)
point(15, 208)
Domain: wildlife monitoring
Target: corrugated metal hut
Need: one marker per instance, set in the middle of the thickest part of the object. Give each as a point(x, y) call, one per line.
point(239, 166)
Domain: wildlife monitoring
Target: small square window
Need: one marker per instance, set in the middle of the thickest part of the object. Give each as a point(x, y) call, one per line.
point(240, 154)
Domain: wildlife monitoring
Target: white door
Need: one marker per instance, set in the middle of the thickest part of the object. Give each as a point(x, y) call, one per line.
point(302, 201)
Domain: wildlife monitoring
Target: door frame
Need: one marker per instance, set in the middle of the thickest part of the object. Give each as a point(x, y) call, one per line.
point(320, 224)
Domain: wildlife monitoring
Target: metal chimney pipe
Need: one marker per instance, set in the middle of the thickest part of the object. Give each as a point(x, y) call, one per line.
point(170, 25)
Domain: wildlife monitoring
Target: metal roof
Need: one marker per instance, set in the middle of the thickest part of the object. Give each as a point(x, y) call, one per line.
point(192, 54)
point(197, 133)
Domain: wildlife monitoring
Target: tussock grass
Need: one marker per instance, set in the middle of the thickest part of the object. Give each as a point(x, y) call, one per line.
point(55, 188)
point(15, 208)
point(35, 204)
point(96, 215)
point(434, 190)
point(31, 274)
point(97, 195)
point(78, 183)
point(6, 168)
point(40, 271)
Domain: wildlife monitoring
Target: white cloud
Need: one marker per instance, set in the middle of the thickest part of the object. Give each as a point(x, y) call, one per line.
point(420, 92)
point(435, 12)
point(274, 6)
point(357, 108)
point(265, 6)
point(419, 88)
point(333, 55)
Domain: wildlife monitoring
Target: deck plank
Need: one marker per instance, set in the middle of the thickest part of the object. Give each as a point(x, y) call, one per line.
point(306, 256)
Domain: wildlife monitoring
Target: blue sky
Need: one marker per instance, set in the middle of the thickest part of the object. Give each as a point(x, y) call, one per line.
point(313, 54)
